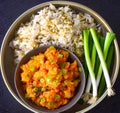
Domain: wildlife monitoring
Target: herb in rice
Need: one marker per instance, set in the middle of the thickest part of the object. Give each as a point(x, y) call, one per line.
point(52, 26)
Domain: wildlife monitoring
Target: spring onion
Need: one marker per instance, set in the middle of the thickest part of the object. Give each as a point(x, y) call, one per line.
point(90, 66)
point(96, 62)
point(102, 60)
point(87, 95)
point(108, 61)
point(108, 40)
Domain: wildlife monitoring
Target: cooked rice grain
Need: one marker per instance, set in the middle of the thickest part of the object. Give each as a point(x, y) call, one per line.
point(58, 26)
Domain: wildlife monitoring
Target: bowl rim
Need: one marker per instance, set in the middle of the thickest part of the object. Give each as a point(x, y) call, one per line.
point(75, 4)
point(42, 49)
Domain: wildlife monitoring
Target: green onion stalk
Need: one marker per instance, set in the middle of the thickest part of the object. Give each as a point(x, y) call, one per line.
point(108, 40)
point(87, 94)
point(90, 66)
point(96, 63)
point(102, 57)
point(102, 84)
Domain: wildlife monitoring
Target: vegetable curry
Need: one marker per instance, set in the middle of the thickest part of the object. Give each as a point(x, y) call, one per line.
point(49, 79)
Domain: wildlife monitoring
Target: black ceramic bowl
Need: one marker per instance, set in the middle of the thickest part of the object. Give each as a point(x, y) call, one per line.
point(30, 104)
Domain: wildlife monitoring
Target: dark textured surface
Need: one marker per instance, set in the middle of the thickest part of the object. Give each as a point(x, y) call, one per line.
point(11, 9)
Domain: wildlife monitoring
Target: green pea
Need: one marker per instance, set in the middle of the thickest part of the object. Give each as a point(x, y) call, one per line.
point(56, 82)
point(72, 83)
point(63, 65)
point(52, 47)
point(49, 78)
point(35, 89)
point(57, 96)
point(60, 73)
point(54, 62)
point(50, 103)
point(32, 68)
point(26, 96)
point(43, 89)
point(78, 80)
point(80, 69)
point(42, 100)
point(64, 71)
point(60, 55)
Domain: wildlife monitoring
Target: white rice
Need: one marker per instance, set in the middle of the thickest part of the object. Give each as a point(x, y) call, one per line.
point(57, 26)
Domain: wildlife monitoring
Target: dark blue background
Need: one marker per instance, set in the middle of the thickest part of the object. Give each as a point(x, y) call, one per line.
point(11, 9)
